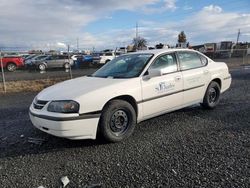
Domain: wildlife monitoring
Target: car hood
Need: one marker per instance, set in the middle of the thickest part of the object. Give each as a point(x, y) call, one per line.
point(75, 88)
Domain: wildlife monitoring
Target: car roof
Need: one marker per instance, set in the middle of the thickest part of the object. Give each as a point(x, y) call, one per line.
point(160, 51)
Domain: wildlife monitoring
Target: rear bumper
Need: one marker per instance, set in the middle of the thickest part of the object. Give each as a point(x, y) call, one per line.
point(74, 128)
point(226, 83)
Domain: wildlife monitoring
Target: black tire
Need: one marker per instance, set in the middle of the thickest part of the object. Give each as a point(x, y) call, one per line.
point(212, 96)
point(42, 67)
point(11, 67)
point(117, 121)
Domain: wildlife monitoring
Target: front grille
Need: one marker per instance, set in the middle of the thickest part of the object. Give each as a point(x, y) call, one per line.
point(39, 104)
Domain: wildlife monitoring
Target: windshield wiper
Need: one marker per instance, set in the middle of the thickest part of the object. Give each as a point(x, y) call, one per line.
point(120, 77)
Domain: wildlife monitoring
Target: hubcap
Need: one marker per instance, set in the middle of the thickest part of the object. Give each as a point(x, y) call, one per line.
point(212, 95)
point(119, 122)
point(41, 67)
point(11, 67)
point(66, 66)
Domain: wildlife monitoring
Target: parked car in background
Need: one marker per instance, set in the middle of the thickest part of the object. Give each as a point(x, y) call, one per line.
point(104, 57)
point(84, 61)
point(127, 90)
point(96, 57)
point(44, 62)
point(108, 56)
point(11, 63)
point(11, 54)
point(74, 57)
point(25, 56)
point(30, 57)
point(30, 60)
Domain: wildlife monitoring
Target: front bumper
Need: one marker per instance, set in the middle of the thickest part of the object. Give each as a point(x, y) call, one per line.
point(75, 128)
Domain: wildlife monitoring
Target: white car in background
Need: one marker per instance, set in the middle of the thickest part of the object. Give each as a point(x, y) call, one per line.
point(74, 57)
point(129, 89)
point(105, 57)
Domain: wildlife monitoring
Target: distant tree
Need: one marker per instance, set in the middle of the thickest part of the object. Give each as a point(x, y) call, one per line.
point(159, 46)
point(182, 37)
point(35, 52)
point(139, 43)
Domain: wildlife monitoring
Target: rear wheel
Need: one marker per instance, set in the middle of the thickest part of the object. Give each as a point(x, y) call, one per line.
point(41, 67)
point(212, 96)
point(117, 121)
point(11, 67)
point(66, 65)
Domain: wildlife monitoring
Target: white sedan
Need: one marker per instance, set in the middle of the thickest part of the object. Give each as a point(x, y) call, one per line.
point(127, 90)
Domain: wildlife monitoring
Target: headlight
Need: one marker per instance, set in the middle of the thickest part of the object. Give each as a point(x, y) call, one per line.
point(63, 107)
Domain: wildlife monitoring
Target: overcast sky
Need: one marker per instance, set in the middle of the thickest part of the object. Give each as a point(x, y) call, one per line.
point(51, 24)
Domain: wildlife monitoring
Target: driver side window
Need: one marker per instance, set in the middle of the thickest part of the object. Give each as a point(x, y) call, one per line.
point(167, 62)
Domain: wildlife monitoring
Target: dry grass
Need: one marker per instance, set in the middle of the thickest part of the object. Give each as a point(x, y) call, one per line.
point(29, 85)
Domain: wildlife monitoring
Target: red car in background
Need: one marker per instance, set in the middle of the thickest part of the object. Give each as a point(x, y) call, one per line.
point(12, 63)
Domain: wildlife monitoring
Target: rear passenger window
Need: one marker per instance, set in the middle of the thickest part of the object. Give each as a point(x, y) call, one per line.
point(108, 54)
point(53, 57)
point(203, 60)
point(61, 57)
point(189, 60)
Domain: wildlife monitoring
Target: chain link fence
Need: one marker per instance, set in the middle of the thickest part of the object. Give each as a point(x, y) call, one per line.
point(34, 80)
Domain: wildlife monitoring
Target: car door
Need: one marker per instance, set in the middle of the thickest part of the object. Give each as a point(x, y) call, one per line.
point(162, 93)
point(195, 76)
point(51, 61)
point(59, 62)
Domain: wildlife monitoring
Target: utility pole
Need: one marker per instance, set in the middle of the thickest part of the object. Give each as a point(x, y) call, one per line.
point(238, 36)
point(77, 44)
point(136, 30)
point(1, 61)
point(70, 72)
point(136, 36)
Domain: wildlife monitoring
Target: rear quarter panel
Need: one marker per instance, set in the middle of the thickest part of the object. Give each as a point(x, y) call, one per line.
point(219, 70)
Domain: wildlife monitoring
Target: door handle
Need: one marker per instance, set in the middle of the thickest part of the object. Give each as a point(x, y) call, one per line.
point(177, 78)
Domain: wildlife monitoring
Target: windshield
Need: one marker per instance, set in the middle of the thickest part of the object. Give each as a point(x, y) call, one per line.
point(31, 56)
point(125, 66)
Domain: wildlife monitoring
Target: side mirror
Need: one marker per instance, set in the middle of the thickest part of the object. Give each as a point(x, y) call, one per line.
point(159, 72)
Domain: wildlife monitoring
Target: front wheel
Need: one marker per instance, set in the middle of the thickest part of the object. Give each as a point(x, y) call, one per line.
point(11, 67)
point(42, 67)
point(212, 96)
point(117, 121)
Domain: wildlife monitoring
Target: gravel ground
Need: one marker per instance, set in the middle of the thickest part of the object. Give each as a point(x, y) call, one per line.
point(188, 148)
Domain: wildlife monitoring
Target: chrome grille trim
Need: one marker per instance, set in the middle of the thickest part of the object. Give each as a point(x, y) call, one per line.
point(39, 104)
